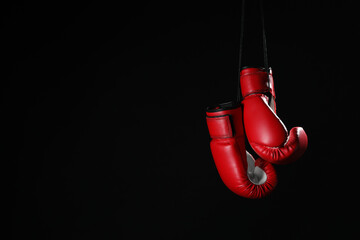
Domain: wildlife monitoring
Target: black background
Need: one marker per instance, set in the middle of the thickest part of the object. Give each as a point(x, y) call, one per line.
point(105, 118)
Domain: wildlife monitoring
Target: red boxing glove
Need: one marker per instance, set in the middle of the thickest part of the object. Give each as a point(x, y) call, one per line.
point(237, 168)
point(266, 133)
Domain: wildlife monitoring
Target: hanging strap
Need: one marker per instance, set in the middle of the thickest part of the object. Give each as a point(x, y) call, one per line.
point(266, 60)
point(238, 93)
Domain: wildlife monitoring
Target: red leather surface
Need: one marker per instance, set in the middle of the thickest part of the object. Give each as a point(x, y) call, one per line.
point(230, 157)
point(290, 151)
point(219, 127)
point(261, 124)
point(256, 81)
point(265, 131)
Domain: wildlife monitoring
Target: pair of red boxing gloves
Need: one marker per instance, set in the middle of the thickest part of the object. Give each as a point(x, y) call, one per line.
point(255, 116)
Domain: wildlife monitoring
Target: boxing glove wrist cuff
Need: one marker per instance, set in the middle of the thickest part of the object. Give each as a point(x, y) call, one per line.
point(220, 126)
point(255, 80)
